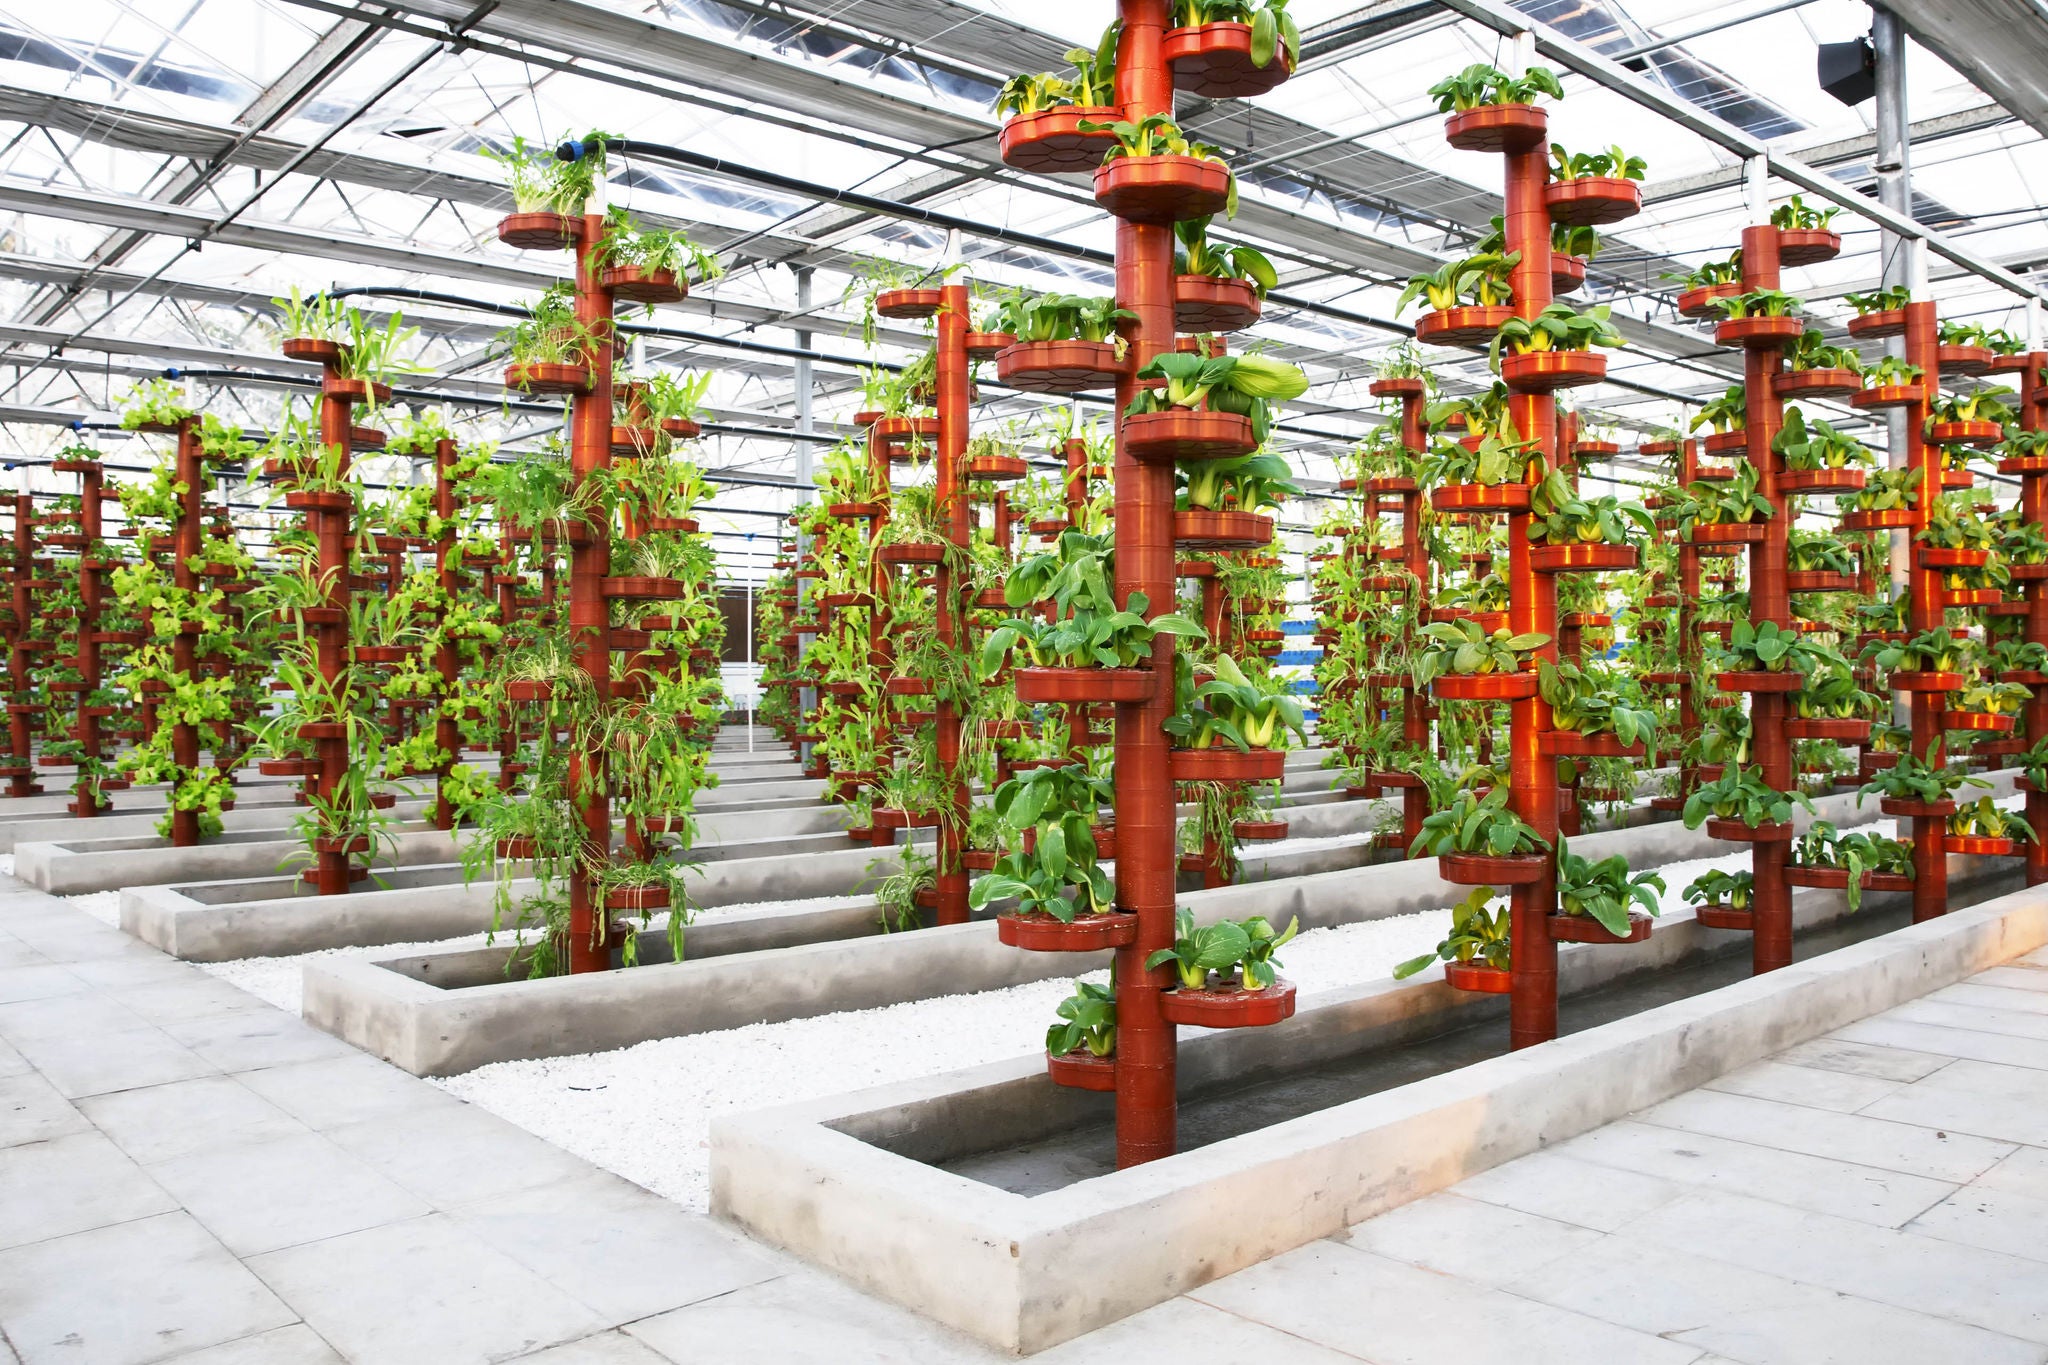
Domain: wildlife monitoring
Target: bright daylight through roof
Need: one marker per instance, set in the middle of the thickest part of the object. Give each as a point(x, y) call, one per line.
point(941, 680)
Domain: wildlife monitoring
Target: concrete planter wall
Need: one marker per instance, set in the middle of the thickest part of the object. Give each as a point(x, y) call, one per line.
point(432, 1021)
point(845, 1182)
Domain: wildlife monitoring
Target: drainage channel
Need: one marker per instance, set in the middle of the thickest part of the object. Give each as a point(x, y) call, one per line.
point(1224, 1112)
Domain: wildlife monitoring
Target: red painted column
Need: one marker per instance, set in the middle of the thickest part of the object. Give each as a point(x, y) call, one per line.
point(1930, 863)
point(87, 801)
point(333, 536)
point(2034, 507)
point(1532, 999)
point(20, 732)
point(1415, 709)
point(1146, 1118)
point(447, 733)
point(952, 503)
point(1769, 600)
point(184, 649)
point(590, 452)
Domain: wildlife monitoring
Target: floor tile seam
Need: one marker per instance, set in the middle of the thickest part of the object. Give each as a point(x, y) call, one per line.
point(1839, 1160)
point(1836, 1290)
point(1712, 1088)
point(1976, 1032)
point(176, 1208)
point(1463, 1283)
point(1285, 1331)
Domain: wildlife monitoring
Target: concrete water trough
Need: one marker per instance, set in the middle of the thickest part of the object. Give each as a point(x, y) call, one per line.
point(904, 1188)
point(441, 1014)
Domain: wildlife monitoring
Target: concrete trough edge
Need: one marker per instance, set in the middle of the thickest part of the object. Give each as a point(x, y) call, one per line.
point(431, 1031)
point(1024, 1273)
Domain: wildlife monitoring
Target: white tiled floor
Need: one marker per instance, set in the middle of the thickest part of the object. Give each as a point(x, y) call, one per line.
point(188, 1175)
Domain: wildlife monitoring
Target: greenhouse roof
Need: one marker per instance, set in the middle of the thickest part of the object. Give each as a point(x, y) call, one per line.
point(168, 170)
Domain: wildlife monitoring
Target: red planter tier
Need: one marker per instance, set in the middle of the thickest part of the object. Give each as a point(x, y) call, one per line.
point(1965, 433)
point(907, 687)
point(1916, 810)
point(1397, 386)
point(1225, 765)
point(1478, 978)
point(997, 468)
point(1466, 325)
point(1162, 189)
point(1889, 322)
point(1825, 482)
point(537, 231)
point(317, 349)
point(1050, 142)
point(1738, 832)
point(1231, 1007)
point(1724, 443)
point(1041, 933)
point(908, 553)
point(301, 501)
point(1963, 359)
point(638, 284)
point(890, 818)
point(1222, 530)
point(1082, 1070)
point(323, 729)
point(1888, 396)
point(1592, 200)
point(1981, 846)
point(1044, 686)
point(1485, 686)
point(645, 589)
point(1181, 435)
point(1059, 367)
point(1895, 519)
point(1729, 533)
point(1215, 61)
point(1814, 580)
point(853, 511)
point(1760, 681)
point(1761, 333)
point(1567, 274)
point(2024, 464)
point(676, 525)
point(288, 767)
point(2027, 573)
point(1702, 303)
point(1971, 597)
point(1481, 497)
point(992, 599)
point(1548, 371)
point(1981, 721)
point(1205, 303)
point(1807, 246)
point(548, 378)
point(330, 843)
point(1795, 384)
point(1850, 731)
point(1478, 869)
point(1581, 558)
point(1725, 917)
point(1837, 879)
point(1571, 744)
point(1259, 830)
point(905, 305)
point(1497, 128)
point(1585, 929)
point(987, 345)
point(637, 898)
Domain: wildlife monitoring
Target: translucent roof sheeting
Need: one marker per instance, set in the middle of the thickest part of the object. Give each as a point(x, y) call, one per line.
point(166, 169)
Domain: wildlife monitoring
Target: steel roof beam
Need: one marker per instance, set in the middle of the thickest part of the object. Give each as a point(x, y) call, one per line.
point(1504, 19)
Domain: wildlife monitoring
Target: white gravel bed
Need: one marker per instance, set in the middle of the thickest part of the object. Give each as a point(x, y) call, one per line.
point(644, 1112)
point(281, 980)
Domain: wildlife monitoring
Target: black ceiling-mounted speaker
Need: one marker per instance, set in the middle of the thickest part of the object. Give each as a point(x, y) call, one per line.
point(1848, 71)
